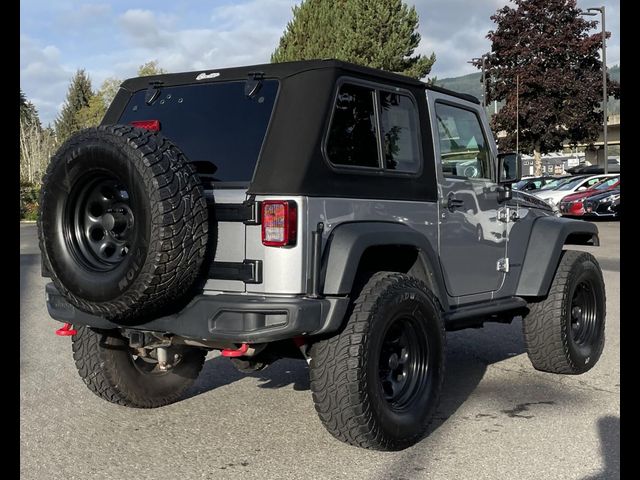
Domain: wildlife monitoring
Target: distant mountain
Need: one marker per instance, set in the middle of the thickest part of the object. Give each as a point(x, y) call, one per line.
point(465, 84)
point(471, 84)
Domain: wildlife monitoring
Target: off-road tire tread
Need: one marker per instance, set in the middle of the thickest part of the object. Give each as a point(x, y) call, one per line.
point(337, 378)
point(178, 238)
point(546, 342)
point(103, 377)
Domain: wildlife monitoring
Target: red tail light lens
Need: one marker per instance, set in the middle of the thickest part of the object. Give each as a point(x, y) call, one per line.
point(151, 125)
point(279, 223)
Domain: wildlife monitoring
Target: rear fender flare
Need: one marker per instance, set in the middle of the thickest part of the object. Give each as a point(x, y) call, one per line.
point(348, 242)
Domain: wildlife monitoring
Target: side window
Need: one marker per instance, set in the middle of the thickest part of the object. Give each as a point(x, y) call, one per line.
point(592, 182)
point(400, 132)
point(463, 149)
point(352, 137)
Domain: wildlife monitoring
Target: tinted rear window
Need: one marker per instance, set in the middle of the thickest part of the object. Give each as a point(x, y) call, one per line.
point(214, 123)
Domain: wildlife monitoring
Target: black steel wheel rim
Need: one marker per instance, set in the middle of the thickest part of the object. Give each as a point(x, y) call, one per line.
point(584, 314)
point(403, 363)
point(99, 221)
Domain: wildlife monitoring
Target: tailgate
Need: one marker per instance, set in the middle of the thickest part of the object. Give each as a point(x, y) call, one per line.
point(229, 269)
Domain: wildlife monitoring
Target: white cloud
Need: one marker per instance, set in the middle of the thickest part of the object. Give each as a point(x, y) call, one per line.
point(111, 39)
point(42, 77)
point(238, 34)
point(84, 15)
point(456, 31)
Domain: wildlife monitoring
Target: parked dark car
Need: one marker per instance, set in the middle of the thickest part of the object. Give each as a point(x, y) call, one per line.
point(582, 169)
point(605, 204)
point(532, 183)
point(573, 205)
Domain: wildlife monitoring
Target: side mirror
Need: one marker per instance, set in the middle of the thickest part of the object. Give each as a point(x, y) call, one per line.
point(582, 189)
point(509, 168)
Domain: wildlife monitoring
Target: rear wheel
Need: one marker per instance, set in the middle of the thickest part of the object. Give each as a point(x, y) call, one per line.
point(116, 373)
point(564, 333)
point(377, 383)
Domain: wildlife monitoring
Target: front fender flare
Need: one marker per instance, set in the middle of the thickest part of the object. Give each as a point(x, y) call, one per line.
point(548, 236)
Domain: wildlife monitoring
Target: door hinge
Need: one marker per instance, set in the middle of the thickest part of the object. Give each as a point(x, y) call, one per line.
point(503, 265)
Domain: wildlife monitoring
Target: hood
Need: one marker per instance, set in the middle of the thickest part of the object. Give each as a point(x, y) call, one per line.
point(588, 193)
point(579, 195)
point(604, 195)
point(524, 199)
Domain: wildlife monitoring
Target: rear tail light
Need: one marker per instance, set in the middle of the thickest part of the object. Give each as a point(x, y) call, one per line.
point(151, 125)
point(279, 223)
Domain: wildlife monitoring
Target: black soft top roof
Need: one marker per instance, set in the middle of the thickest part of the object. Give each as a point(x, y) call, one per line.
point(293, 159)
point(281, 71)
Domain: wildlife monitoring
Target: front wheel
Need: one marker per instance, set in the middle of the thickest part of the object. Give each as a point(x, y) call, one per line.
point(564, 333)
point(377, 383)
point(115, 373)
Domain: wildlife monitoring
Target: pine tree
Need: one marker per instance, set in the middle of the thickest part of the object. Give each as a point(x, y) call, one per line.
point(28, 112)
point(545, 47)
point(78, 96)
point(376, 33)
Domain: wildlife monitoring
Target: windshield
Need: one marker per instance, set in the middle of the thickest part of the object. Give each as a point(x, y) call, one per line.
point(572, 183)
point(553, 184)
point(212, 123)
point(605, 184)
point(520, 184)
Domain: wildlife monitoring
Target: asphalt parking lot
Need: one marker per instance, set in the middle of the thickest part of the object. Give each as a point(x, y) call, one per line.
point(498, 418)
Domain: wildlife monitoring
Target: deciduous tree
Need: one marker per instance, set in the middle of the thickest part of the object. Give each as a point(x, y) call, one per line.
point(545, 46)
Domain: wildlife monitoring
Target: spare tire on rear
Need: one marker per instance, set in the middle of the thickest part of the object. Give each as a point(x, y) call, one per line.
point(123, 222)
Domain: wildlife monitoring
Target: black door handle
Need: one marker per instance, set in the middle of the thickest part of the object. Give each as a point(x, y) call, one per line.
point(453, 203)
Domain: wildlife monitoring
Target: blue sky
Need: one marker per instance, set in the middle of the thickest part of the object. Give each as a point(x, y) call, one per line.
point(112, 38)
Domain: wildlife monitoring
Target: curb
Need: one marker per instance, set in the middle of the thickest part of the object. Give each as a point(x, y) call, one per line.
point(28, 222)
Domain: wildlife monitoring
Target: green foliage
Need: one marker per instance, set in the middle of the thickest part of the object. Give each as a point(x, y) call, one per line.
point(150, 68)
point(78, 97)
point(28, 112)
point(376, 33)
point(29, 197)
point(547, 46)
point(108, 90)
point(91, 115)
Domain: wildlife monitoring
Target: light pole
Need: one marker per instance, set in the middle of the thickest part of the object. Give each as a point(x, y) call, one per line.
point(592, 12)
point(484, 87)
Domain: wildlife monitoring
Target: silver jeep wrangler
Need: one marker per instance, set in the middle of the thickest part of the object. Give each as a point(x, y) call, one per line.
point(316, 210)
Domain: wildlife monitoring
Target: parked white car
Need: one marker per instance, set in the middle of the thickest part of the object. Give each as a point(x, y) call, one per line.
point(553, 196)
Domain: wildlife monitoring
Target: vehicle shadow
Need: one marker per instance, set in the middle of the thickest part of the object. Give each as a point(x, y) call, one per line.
point(609, 431)
point(219, 371)
point(469, 353)
point(602, 219)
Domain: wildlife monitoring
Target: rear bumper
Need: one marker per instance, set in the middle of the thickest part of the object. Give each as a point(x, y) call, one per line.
point(225, 317)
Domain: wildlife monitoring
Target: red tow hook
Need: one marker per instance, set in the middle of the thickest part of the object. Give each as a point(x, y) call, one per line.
point(66, 330)
point(228, 352)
